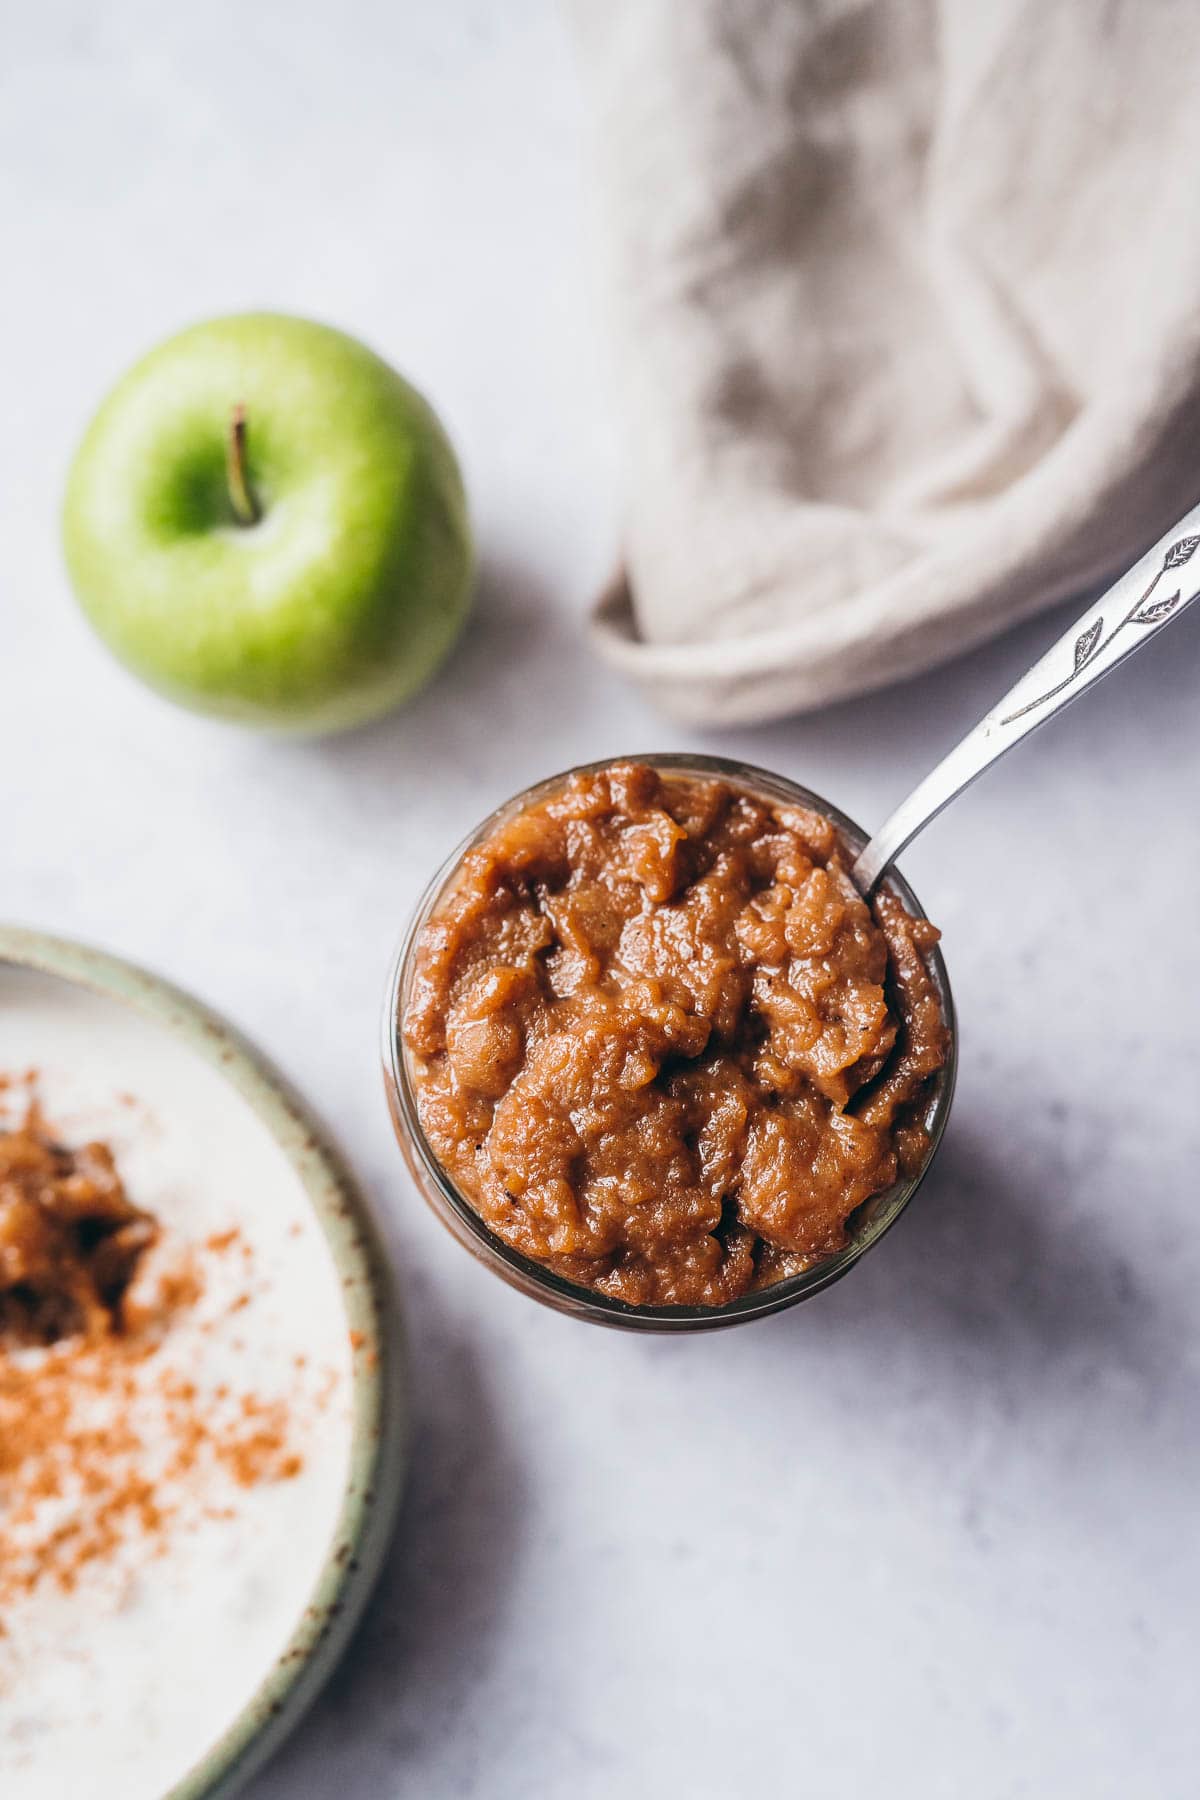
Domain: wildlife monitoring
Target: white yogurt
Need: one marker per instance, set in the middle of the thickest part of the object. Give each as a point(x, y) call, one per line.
point(121, 1685)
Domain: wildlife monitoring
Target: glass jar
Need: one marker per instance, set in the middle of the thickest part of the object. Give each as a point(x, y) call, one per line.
point(867, 1225)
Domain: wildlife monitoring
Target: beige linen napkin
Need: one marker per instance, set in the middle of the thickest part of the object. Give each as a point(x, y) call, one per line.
point(906, 309)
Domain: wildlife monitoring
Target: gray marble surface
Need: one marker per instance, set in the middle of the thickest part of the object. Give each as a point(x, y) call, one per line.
point(933, 1534)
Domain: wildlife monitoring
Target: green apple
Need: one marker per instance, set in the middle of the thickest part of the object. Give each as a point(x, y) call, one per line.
point(266, 522)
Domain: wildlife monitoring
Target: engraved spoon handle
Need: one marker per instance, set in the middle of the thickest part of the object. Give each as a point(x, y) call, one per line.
point(1144, 599)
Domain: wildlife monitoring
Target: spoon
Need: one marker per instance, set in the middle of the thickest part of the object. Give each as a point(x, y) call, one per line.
point(1136, 607)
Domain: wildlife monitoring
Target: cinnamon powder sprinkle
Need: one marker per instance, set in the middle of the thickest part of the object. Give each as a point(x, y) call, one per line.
point(106, 1447)
point(101, 1449)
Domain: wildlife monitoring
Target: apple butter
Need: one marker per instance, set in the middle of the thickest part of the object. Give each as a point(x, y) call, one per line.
point(70, 1238)
point(661, 1044)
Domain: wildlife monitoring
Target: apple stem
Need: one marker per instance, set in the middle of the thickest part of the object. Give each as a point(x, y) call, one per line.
point(244, 505)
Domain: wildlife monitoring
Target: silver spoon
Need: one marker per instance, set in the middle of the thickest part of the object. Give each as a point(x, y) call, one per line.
point(1144, 599)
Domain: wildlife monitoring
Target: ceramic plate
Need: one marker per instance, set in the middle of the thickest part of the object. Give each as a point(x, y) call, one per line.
point(191, 1110)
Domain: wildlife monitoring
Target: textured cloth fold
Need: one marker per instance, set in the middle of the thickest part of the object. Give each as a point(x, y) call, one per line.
point(905, 303)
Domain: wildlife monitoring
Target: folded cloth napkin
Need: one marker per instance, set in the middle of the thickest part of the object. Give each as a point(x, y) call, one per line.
point(906, 318)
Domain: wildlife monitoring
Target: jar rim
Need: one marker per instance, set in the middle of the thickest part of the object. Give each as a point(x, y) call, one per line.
point(534, 1278)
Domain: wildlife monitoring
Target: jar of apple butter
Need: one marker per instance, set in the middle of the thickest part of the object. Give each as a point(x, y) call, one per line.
point(652, 1058)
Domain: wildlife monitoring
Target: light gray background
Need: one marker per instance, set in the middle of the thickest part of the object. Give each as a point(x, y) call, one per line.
point(934, 1534)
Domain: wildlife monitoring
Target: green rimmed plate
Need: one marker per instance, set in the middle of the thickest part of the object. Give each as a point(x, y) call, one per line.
point(110, 1024)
